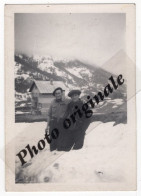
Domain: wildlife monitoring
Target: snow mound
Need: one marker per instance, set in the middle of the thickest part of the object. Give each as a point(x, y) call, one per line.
point(100, 160)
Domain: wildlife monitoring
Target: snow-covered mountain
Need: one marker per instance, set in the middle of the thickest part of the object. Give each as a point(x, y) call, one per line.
point(74, 73)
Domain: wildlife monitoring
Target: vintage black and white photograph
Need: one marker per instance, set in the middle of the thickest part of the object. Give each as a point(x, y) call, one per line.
point(70, 86)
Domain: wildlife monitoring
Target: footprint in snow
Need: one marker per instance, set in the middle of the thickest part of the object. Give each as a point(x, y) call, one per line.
point(56, 165)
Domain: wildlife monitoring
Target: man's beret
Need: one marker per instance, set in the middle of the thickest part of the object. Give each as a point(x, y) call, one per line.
point(59, 88)
point(72, 92)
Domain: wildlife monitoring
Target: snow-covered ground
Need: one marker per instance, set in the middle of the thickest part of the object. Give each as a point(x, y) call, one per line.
point(104, 157)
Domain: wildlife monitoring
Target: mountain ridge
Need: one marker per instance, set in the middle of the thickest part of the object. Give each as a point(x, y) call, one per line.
point(74, 73)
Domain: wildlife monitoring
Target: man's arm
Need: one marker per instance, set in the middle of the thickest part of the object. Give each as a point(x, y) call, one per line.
point(48, 122)
point(48, 118)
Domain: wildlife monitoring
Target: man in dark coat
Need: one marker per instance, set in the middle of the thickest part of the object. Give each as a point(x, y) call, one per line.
point(76, 132)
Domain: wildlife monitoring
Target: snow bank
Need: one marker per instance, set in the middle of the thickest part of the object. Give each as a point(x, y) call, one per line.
point(102, 159)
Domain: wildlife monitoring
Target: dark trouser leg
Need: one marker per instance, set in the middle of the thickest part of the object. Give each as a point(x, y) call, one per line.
point(78, 140)
point(79, 134)
point(65, 140)
point(53, 144)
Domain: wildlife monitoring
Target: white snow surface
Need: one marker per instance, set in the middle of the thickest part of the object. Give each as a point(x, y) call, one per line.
point(104, 157)
point(79, 71)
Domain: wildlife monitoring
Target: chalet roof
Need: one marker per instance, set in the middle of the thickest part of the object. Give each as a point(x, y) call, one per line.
point(45, 87)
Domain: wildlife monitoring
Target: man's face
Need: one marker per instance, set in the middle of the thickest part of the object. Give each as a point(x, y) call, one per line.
point(58, 94)
point(75, 97)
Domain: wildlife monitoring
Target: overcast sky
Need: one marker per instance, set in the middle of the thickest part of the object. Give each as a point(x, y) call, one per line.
point(92, 38)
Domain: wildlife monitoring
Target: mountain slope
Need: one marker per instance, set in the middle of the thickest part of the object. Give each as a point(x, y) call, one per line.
point(75, 74)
